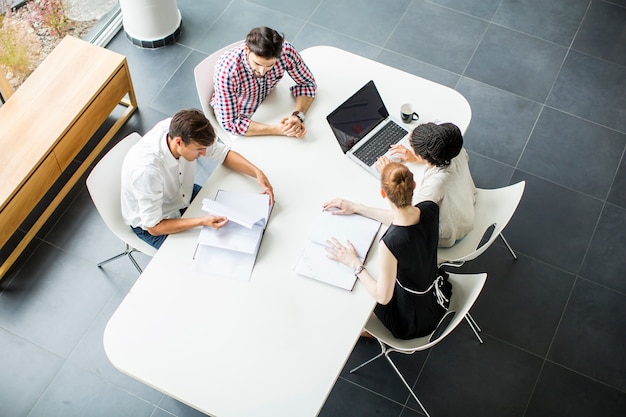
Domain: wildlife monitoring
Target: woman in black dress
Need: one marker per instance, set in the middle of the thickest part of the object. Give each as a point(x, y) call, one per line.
point(412, 294)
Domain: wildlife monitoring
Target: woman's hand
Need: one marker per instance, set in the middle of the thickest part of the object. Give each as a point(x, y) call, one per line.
point(402, 153)
point(342, 206)
point(344, 254)
point(382, 162)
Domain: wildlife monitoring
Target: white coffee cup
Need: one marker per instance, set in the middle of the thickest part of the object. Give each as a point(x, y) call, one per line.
point(407, 114)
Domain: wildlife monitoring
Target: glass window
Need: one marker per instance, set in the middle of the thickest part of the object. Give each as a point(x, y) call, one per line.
point(29, 31)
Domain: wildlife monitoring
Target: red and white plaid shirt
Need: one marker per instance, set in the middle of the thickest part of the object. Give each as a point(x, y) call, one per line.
point(238, 92)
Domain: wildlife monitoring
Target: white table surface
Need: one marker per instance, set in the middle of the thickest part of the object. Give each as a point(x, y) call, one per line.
point(273, 346)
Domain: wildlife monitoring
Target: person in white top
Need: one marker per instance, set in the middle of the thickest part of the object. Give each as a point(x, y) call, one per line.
point(158, 176)
point(447, 179)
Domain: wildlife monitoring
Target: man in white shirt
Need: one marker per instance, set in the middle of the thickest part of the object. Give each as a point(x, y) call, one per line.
point(158, 176)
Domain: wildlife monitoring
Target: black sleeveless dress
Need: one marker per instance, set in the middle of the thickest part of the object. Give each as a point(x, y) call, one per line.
point(409, 315)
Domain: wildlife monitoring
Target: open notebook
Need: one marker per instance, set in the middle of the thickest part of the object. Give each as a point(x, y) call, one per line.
point(231, 251)
point(314, 262)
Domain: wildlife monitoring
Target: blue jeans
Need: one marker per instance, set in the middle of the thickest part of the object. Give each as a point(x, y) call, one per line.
point(157, 241)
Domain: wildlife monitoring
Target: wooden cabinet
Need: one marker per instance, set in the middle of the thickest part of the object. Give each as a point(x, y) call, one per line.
point(47, 122)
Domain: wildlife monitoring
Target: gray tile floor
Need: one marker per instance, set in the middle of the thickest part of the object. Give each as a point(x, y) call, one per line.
point(547, 86)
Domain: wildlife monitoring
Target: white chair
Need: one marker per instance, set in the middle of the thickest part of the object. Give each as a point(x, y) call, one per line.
point(465, 291)
point(203, 74)
point(104, 186)
point(494, 208)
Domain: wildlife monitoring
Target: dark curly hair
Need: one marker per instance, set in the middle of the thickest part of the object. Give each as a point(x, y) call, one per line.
point(265, 42)
point(437, 144)
point(192, 125)
point(398, 183)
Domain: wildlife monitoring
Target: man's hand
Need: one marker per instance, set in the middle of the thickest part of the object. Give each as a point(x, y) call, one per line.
point(216, 222)
point(265, 185)
point(235, 161)
point(292, 126)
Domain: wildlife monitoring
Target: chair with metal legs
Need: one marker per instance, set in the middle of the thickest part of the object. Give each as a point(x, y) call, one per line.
point(104, 185)
point(465, 290)
point(494, 208)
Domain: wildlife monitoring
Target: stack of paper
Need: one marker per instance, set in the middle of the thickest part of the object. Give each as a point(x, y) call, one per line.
point(231, 251)
point(314, 261)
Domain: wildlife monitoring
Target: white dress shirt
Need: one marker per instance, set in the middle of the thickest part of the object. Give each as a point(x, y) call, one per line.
point(453, 189)
point(155, 185)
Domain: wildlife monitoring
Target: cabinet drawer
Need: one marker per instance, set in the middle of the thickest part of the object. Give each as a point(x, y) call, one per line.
point(23, 201)
point(94, 115)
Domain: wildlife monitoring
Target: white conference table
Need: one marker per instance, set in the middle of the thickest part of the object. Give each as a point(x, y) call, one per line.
point(273, 346)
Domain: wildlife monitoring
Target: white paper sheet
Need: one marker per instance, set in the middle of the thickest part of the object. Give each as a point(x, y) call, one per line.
point(313, 261)
point(232, 236)
point(243, 208)
point(223, 263)
point(231, 251)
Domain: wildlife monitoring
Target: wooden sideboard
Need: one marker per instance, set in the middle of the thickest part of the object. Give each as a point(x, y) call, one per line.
point(46, 123)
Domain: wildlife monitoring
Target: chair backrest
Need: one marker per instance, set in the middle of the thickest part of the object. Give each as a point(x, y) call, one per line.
point(465, 290)
point(203, 74)
point(494, 208)
point(104, 184)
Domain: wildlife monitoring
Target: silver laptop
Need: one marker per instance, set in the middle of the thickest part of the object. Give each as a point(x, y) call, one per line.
point(364, 129)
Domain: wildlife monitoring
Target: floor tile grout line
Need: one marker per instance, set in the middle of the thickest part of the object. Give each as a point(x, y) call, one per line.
point(469, 61)
point(583, 375)
point(601, 285)
point(591, 238)
point(395, 27)
point(531, 395)
point(559, 268)
point(564, 186)
point(549, 92)
point(574, 115)
point(180, 64)
point(619, 164)
point(563, 312)
point(530, 135)
point(371, 390)
point(567, 53)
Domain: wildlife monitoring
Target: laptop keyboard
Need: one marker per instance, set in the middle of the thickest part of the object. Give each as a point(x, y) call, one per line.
point(379, 144)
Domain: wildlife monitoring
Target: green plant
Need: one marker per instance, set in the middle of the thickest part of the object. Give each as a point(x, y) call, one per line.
point(50, 13)
point(13, 47)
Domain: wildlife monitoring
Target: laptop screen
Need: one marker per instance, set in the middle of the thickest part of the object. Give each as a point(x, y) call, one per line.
point(357, 116)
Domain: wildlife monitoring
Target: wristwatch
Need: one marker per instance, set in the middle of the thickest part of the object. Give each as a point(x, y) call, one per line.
point(358, 270)
point(299, 115)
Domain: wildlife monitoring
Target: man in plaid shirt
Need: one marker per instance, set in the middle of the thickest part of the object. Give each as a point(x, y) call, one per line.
point(245, 75)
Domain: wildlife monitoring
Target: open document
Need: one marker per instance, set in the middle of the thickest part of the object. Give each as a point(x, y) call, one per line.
point(314, 262)
point(231, 251)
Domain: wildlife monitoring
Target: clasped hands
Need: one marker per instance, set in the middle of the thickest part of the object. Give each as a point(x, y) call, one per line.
point(292, 126)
